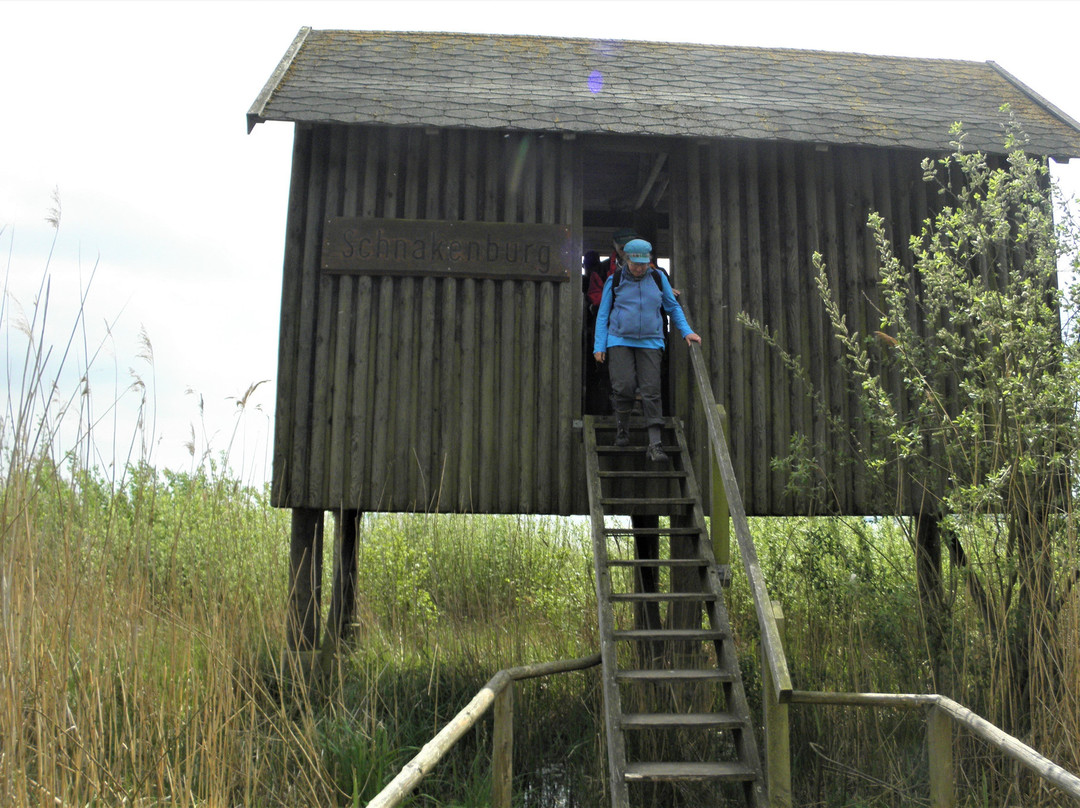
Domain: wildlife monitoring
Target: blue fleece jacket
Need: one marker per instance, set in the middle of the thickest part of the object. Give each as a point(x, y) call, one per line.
point(630, 314)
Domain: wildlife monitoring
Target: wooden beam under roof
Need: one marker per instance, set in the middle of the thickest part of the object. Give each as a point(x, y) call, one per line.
point(658, 165)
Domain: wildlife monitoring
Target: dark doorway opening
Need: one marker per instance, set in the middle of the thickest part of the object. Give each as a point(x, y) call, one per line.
point(624, 184)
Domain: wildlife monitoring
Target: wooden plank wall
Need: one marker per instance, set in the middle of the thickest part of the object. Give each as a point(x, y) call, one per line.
point(459, 395)
point(403, 394)
point(746, 222)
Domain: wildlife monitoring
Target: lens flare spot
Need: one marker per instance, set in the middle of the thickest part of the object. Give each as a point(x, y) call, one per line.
point(596, 81)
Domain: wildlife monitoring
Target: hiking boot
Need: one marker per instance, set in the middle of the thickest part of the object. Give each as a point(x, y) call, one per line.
point(655, 454)
point(622, 429)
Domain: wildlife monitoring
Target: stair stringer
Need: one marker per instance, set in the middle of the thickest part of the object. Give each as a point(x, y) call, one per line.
point(612, 697)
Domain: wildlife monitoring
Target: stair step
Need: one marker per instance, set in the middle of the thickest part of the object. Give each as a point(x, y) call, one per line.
point(649, 531)
point(658, 501)
point(670, 634)
point(669, 449)
point(607, 423)
point(643, 475)
point(681, 721)
point(647, 771)
point(657, 562)
point(663, 597)
point(662, 675)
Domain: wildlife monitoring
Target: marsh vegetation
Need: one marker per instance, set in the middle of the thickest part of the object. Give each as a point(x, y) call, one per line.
point(142, 623)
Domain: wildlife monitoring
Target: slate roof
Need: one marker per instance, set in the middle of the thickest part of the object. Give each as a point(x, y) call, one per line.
point(652, 88)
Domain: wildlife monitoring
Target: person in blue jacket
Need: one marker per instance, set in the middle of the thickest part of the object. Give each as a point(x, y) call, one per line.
point(630, 335)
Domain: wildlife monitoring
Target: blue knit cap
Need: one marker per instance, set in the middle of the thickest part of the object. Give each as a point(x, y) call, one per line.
point(639, 251)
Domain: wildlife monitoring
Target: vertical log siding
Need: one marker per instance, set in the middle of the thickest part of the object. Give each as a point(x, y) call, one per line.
point(756, 213)
point(402, 393)
point(432, 394)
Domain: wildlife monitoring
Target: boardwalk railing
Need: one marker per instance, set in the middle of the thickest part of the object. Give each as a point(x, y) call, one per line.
point(943, 712)
point(776, 681)
point(500, 692)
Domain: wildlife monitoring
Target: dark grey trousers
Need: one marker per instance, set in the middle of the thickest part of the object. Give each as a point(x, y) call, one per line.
point(633, 371)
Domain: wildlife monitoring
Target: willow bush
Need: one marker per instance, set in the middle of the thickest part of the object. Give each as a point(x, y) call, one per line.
point(968, 390)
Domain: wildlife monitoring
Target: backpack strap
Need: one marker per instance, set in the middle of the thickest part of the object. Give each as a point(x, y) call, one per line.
point(653, 272)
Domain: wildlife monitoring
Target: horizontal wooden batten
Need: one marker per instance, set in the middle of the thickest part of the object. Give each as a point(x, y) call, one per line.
point(537, 252)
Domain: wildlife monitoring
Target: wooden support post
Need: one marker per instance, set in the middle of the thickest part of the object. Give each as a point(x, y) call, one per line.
point(720, 516)
point(685, 615)
point(940, 753)
point(777, 732)
point(930, 583)
point(502, 751)
point(647, 580)
point(305, 578)
point(343, 589)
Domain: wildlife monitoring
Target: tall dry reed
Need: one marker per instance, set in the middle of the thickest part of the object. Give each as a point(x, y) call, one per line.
point(138, 640)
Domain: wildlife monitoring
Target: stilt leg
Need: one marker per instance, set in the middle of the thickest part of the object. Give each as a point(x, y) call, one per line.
point(305, 578)
point(647, 579)
point(343, 594)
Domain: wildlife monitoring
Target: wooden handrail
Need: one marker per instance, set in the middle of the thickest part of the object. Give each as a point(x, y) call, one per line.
point(770, 635)
point(434, 750)
point(960, 715)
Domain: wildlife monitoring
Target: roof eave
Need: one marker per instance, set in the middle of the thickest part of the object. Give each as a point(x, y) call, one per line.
point(258, 107)
point(1057, 112)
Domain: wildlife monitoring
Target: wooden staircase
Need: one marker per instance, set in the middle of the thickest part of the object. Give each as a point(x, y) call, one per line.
point(678, 727)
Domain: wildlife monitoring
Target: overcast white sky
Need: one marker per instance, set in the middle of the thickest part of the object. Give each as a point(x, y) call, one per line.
point(136, 113)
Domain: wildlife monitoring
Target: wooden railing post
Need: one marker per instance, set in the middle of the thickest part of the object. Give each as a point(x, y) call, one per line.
point(502, 748)
point(777, 732)
point(720, 516)
point(940, 753)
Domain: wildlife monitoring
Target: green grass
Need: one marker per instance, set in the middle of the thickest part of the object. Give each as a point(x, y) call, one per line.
point(143, 628)
point(143, 662)
point(143, 636)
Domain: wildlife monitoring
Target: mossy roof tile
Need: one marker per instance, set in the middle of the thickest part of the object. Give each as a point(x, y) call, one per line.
point(579, 85)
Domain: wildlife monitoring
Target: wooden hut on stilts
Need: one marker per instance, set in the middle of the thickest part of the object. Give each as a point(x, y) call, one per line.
point(444, 189)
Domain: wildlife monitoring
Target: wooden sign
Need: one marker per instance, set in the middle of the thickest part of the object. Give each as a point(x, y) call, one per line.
point(539, 252)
